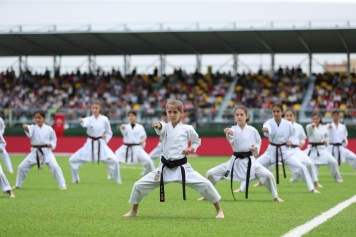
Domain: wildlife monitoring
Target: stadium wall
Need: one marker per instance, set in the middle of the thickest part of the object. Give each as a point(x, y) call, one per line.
point(211, 146)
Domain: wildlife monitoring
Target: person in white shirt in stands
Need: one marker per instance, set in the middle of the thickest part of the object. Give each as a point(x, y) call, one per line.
point(95, 148)
point(131, 151)
point(338, 141)
point(3, 153)
point(174, 166)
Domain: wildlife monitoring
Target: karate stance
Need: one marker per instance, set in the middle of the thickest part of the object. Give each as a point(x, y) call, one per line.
point(132, 152)
point(174, 166)
point(4, 183)
point(318, 136)
point(95, 148)
point(298, 142)
point(43, 141)
point(246, 143)
point(3, 153)
point(338, 141)
point(280, 133)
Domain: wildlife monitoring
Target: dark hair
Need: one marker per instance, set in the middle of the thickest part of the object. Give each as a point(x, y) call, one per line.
point(244, 109)
point(164, 113)
point(289, 110)
point(319, 115)
point(277, 104)
point(41, 113)
point(132, 112)
point(97, 102)
point(335, 111)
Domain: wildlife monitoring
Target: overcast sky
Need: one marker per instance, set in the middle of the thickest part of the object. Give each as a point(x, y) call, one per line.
point(147, 14)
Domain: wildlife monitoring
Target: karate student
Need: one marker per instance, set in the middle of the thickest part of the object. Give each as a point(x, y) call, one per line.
point(174, 166)
point(131, 151)
point(246, 143)
point(280, 133)
point(43, 141)
point(3, 153)
point(95, 148)
point(298, 142)
point(318, 136)
point(338, 141)
point(4, 183)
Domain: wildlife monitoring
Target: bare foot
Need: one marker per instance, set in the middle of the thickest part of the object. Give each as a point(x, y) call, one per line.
point(339, 181)
point(201, 199)
point(318, 185)
point(76, 182)
point(238, 191)
point(220, 215)
point(109, 178)
point(11, 194)
point(293, 181)
point(277, 199)
point(11, 172)
point(130, 214)
point(64, 188)
point(315, 191)
point(15, 187)
point(258, 184)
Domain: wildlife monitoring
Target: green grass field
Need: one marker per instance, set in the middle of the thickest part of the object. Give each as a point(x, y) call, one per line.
point(96, 205)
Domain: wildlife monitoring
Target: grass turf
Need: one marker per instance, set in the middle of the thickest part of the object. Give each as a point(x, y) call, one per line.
point(96, 205)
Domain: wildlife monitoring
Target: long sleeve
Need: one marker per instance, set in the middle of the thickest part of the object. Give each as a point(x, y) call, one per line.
point(143, 134)
point(2, 126)
point(310, 130)
point(258, 143)
point(85, 122)
point(302, 136)
point(30, 130)
point(267, 125)
point(193, 137)
point(163, 129)
point(53, 139)
point(230, 138)
point(345, 137)
point(108, 131)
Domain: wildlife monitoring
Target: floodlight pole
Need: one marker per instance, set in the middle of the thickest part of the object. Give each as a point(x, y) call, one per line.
point(162, 59)
point(20, 64)
point(235, 65)
point(198, 67)
point(56, 65)
point(126, 65)
point(348, 69)
point(272, 64)
point(310, 64)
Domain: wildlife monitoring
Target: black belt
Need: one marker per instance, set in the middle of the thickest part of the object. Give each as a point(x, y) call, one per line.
point(280, 148)
point(92, 148)
point(315, 144)
point(294, 146)
point(241, 155)
point(39, 149)
point(130, 145)
point(171, 164)
point(338, 147)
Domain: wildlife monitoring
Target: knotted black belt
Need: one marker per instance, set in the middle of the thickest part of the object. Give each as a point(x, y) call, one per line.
point(171, 164)
point(294, 146)
point(92, 148)
point(315, 144)
point(338, 147)
point(241, 155)
point(279, 146)
point(39, 149)
point(130, 145)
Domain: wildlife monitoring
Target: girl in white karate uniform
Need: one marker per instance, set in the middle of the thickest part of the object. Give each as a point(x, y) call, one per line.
point(246, 143)
point(318, 136)
point(95, 148)
point(4, 183)
point(338, 141)
point(174, 167)
point(3, 153)
point(298, 142)
point(43, 141)
point(132, 152)
point(280, 133)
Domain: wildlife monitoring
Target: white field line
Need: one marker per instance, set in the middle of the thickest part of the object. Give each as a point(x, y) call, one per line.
point(305, 228)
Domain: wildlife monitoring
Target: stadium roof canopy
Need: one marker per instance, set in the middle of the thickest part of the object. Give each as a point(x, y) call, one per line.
point(243, 41)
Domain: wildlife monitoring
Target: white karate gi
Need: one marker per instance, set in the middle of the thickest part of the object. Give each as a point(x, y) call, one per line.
point(319, 135)
point(96, 127)
point(4, 183)
point(135, 153)
point(3, 153)
point(299, 138)
point(337, 134)
point(175, 140)
point(41, 136)
point(279, 134)
point(242, 141)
